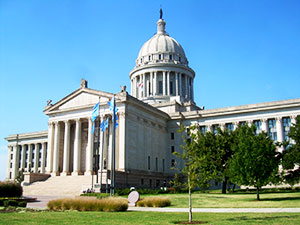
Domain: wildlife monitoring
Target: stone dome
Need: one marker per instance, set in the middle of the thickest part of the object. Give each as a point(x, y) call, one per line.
point(161, 48)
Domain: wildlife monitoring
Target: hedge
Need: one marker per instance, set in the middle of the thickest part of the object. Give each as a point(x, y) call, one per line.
point(10, 189)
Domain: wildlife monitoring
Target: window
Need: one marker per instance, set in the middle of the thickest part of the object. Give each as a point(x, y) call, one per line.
point(229, 126)
point(157, 183)
point(149, 163)
point(257, 124)
point(214, 128)
point(163, 165)
point(9, 175)
point(159, 56)
point(173, 162)
point(179, 59)
point(272, 129)
point(11, 156)
point(172, 136)
point(156, 164)
point(172, 149)
point(171, 88)
point(11, 165)
point(150, 183)
point(170, 57)
point(149, 57)
point(160, 87)
point(142, 181)
point(286, 124)
point(242, 123)
point(203, 129)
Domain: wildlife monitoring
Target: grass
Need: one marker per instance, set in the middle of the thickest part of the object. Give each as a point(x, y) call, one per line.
point(235, 200)
point(131, 218)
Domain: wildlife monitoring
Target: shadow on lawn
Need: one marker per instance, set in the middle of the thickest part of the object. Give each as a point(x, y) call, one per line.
point(280, 199)
point(263, 218)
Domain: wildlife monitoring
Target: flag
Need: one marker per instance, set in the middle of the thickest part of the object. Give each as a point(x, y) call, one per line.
point(104, 124)
point(95, 114)
point(111, 108)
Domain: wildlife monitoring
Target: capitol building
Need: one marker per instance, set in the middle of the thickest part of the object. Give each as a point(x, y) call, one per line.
point(161, 98)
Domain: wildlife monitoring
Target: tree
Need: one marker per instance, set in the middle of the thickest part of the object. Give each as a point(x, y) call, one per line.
point(291, 156)
point(191, 170)
point(20, 177)
point(255, 162)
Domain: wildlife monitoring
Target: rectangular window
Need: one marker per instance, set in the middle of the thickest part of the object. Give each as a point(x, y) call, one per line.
point(150, 183)
point(257, 124)
point(242, 123)
point(156, 164)
point(157, 183)
point(142, 181)
point(149, 163)
point(229, 126)
point(215, 128)
point(170, 57)
point(11, 156)
point(9, 175)
point(172, 136)
point(159, 56)
point(173, 162)
point(172, 149)
point(272, 129)
point(286, 124)
point(10, 165)
point(203, 129)
point(171, 88)
point(160, 87)
point(163, 165)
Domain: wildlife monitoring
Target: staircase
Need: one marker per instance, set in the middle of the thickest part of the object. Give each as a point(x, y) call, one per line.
point(59, 186)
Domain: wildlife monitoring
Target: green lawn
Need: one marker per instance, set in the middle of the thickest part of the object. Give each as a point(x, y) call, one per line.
point(132, 218)
point(242, 200)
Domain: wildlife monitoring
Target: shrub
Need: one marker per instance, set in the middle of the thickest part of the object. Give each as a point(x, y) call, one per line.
point(154, 202)
point(11, 203)
point(105, 204)
point(10, 189)
point(22, 204)
point(97, 195)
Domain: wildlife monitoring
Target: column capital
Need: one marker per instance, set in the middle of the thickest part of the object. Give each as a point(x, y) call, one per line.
point(56, 123)
point(264, 120)
point(50, 123)
point(67, 122)
point(279, 118)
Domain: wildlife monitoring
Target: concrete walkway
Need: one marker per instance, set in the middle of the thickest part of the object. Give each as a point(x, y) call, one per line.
point(43, 200)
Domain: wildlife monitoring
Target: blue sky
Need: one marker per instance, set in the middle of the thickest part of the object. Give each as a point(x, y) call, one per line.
point(242, 51)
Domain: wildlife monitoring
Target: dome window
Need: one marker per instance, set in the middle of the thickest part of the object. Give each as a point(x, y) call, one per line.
point(141, 60)
point(170, 57)
point(159, 56)
point(179, 59)
point(149, 57)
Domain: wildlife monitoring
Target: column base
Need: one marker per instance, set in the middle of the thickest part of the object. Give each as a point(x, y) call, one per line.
point(65, 173)
point(87, 173)
point(55, 174)
point(76, 173)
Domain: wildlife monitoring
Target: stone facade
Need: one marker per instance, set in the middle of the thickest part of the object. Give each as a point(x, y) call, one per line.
point(162, 97)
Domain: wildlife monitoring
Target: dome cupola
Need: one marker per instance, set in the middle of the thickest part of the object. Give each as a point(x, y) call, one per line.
point(161, 72)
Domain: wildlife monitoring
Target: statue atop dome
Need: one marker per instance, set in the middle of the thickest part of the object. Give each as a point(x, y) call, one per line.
point(160, 13)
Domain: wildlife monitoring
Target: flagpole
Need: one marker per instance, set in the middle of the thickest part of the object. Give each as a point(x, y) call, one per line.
point(107, 158)
point(101, 157)
point(98, 146)
point(113, 149)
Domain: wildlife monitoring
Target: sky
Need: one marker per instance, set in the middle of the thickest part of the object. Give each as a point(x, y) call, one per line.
point(243, 52)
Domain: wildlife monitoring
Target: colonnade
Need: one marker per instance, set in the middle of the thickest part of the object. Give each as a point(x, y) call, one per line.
point(173, 84)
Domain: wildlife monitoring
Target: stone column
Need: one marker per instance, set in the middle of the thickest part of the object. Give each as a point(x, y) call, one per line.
point(36, 157)
point(50, 148)
point(43, 157)
point(209, 128)
point(180, 84)
point(151, 83)
point(164, 82)
point(77, 149)
point(131, 83)
point(168, 83)
point(66, 160)
point(176, 84)
point(264, 125)
point(134, 87)
point(56, 150)
point(8, 162)
point(23, 156)
point(155, 84)
point(192, 89)
point(222, 126)
point(293, 120)
point(279, 129)
point(250, 122)
point(15, 165)
point(186, 86)
point(144, 85)
point(29, 158)
point(122, 142)
point(89, 155)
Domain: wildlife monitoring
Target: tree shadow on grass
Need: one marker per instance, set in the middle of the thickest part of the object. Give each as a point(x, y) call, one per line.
point(263, 218)
point(280, 199)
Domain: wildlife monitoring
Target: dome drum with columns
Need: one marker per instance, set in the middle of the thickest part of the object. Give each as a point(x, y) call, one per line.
point(162, 73)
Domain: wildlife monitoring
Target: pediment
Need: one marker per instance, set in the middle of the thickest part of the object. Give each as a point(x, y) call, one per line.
point(79, 99)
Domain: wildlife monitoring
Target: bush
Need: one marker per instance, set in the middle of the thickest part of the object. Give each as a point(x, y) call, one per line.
point(11, 203)
point(97, 195)
point(105, 204)
point(154, 202)
point(10, 189)
point(22, 204)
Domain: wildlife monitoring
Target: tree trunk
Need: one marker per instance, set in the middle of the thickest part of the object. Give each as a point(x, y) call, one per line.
point(190, 200)
point(257, 193)
point(224, 185)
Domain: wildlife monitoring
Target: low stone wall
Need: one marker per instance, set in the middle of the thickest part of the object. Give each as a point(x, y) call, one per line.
point(33, 177)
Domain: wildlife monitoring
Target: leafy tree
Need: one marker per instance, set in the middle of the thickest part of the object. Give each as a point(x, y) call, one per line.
point(291, 156)
point(20, 177)
point(255, 162)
